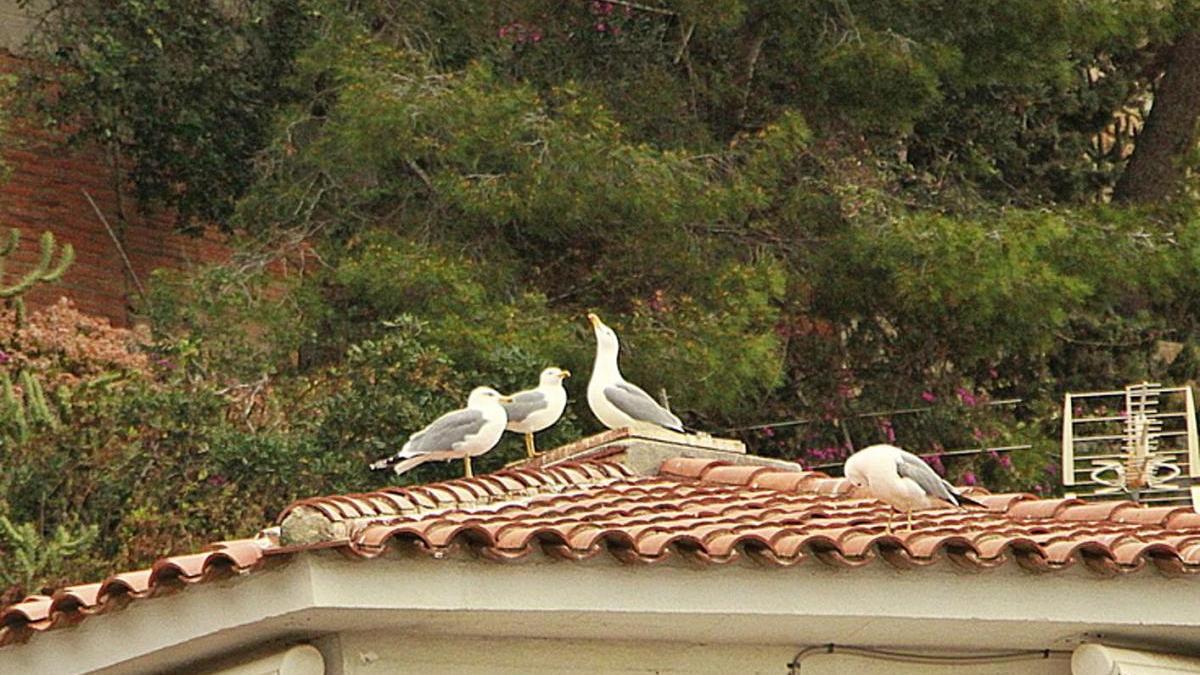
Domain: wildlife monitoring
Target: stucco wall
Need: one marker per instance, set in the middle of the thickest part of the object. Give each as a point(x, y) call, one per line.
point(379, 652)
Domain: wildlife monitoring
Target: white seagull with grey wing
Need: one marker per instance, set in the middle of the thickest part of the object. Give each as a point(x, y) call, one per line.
point(902, 480)
point(533, 410)
point(461, 434)
point(615, 402)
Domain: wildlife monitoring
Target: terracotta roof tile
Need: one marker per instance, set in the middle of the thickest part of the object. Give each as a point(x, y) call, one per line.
point(688, 467)
point(1040, 508)
point(1097, 511)
point(780, 481)
point(701, 511)
point(734, 475)
point(1183, 520)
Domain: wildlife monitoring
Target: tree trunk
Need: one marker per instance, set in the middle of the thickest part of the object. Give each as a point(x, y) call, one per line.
point(1153, 172)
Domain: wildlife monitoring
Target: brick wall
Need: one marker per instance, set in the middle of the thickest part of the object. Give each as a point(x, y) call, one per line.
point(45, 191)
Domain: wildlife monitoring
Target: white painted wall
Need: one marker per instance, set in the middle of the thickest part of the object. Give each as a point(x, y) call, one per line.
point(459, 614)
point(380, 652)
point(300, 659)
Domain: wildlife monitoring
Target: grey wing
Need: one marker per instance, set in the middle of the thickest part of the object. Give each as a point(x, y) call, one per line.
point(524, 404)
point(631, 400)
point(910, 466)
point(445, 432)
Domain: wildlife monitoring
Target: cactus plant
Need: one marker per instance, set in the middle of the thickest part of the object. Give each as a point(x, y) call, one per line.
point(45, 271)
point(12, 410)
point(29, 555)
point(37, 408)
point(22, 412)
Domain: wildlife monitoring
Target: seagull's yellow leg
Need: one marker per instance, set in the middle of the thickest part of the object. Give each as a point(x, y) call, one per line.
point(889, 522)
point(529, 448)
point(467, 467)
point(910, 520)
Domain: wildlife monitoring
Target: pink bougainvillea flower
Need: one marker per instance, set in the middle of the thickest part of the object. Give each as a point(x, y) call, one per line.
point(601, 27)
point(935, 463)
point(928, 396)
point(4, 357)
point(968, 478)
point(1006, 461)
point(966, 397)
point(888, 431)
point(768, 432)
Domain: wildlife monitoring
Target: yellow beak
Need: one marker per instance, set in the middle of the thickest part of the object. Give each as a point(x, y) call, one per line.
point(565, 373)
point(506, 399)
point(594, 319)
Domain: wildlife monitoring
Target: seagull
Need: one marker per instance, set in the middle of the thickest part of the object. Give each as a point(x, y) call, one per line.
point(902, 480)
point(464, 434)
point(615, 402)
point(533, 410)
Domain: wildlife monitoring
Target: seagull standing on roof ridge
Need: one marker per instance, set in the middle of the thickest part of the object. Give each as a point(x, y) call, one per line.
point(615, 402)
point(902, 480)
point(533, 410)
point(460, 434)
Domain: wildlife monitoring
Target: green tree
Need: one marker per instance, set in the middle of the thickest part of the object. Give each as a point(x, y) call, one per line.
point(816, 225)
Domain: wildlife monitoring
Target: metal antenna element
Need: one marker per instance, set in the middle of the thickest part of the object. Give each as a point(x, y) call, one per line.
point(1140, 442)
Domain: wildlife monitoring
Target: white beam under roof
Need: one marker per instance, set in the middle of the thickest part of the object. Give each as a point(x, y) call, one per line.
point(321, 593)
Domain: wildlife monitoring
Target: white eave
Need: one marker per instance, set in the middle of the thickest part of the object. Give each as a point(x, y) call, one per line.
point(319, 593)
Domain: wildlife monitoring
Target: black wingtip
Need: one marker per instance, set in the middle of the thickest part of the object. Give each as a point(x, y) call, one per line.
point(964, 500)
point(382, 464)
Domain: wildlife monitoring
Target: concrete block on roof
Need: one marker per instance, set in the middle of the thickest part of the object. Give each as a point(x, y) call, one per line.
point(644, 450)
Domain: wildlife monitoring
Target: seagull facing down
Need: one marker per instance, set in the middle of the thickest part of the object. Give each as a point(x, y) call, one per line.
point(902, 480)
point(461, 434)
point(615, 402)
point(533, 410)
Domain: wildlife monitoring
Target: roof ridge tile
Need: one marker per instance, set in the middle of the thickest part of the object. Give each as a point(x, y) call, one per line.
point(503, 484)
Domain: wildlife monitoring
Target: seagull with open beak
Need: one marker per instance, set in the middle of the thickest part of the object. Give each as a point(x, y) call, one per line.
point(615, 402)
